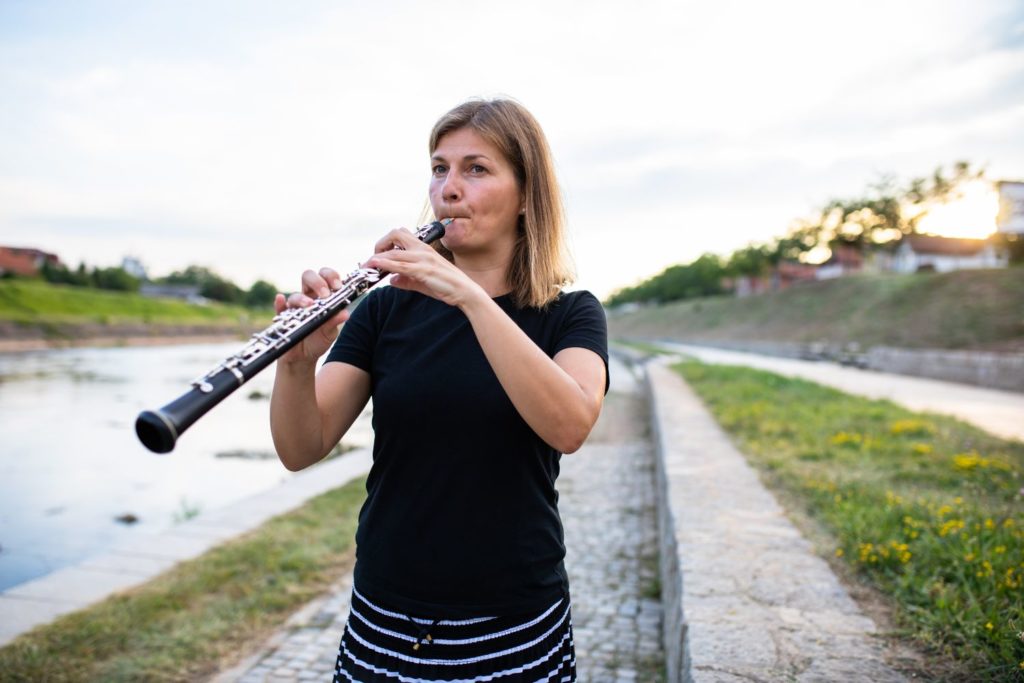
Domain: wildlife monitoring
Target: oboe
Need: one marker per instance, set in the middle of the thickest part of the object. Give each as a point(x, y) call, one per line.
point(159, 429)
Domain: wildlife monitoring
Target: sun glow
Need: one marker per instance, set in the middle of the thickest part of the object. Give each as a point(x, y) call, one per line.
point(971, 214)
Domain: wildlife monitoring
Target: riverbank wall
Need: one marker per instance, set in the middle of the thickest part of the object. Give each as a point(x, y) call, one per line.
point(989, 369)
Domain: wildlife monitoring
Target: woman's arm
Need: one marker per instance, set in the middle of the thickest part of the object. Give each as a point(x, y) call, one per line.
point(310, 411)
point(559, 398)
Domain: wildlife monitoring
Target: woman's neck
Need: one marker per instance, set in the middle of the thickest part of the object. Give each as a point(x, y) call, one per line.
point(491, 275)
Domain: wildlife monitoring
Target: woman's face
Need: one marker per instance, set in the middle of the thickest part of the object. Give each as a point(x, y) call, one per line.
point(472, 182)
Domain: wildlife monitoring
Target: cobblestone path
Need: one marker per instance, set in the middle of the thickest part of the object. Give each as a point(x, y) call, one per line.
point(608, 509)
point(607, 505)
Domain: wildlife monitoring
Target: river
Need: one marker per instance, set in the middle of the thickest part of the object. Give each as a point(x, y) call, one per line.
point(71, 466)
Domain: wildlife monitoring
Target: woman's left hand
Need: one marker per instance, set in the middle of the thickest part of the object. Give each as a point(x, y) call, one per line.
point(417, 267)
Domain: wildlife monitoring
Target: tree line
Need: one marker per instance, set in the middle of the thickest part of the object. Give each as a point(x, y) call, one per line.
point(878, 218)
point(210, 285)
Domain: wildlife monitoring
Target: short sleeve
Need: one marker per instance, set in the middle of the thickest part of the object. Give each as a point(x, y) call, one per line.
point(358, 336)
point(584, 326)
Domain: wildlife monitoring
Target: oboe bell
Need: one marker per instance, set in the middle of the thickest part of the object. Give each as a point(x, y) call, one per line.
point(158, 430)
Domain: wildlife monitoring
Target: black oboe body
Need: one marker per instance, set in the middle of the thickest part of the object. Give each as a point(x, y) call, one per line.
point(159, 429)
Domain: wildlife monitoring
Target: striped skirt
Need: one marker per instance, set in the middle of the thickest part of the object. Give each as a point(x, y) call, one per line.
point(380, 644)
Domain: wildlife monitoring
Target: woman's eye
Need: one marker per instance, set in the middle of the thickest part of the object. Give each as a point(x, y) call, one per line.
point(477, 168)
point(439, 169)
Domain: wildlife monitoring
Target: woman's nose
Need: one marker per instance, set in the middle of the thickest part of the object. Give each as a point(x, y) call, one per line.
point(451, 190)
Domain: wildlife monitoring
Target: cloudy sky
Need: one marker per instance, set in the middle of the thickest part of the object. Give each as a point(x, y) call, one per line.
point(263, 138)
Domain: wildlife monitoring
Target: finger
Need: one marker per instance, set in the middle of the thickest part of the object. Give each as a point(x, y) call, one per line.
point(338, 320)
point(396, 238)
point(331, 277)
point(299, 300)
point(280, 302)
point(313, 285)
point(406, 282)
point(389, 260)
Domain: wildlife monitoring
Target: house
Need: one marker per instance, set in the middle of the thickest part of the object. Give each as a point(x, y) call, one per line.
point(844, 261)
point(942, 254)
point(189, 293)
point(25, 261)
point(789, 273)
point(782, 276)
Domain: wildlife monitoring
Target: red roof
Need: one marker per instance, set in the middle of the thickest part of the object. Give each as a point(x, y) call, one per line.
point(947, 246)
point(24, 261)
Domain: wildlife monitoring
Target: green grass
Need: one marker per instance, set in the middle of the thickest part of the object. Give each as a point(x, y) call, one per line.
point(978, 309)
point(643, 347)
point(36, 302)
point(926, 508)
point(186, 623)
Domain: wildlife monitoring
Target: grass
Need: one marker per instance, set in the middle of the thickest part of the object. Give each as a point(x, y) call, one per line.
point(644, 347)
point(188, 622)
point(35, 302)
point(970, 309)
point(926, 508)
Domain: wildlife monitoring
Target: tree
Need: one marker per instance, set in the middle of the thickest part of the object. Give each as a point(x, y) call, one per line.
point(887, 211)
point(115, 278)
point(211, 285)
point(752, 260)
point(59, 274)
point(702, 277)
point(260, 295)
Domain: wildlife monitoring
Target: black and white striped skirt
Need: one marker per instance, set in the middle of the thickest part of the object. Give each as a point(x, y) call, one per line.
point(381, 644)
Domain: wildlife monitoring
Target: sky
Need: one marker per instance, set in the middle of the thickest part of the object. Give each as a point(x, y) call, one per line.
point(263, 138)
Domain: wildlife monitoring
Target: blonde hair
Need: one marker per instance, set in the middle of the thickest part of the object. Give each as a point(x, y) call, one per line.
point(541, 265)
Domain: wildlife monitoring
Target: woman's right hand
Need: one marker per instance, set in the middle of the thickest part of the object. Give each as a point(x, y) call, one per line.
point(314, 285)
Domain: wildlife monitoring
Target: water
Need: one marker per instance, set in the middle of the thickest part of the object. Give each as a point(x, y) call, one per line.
point(70, 462)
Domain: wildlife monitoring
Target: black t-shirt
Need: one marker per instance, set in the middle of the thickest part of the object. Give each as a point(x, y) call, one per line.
point(461, 517)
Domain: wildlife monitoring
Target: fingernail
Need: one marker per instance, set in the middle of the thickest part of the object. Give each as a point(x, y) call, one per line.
point(337, 283)
point(325, 292)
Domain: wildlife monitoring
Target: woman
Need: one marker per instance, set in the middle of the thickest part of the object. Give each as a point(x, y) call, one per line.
point(482, 373)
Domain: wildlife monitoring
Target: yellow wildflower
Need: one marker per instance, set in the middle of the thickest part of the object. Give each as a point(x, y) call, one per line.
point(839, 552)
point(914, 427)
point(970, 461)
point(843, 438)
point(951, 527)
point(989, 626)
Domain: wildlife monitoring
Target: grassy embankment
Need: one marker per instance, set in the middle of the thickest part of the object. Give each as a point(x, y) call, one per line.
point(979, 309)
point(203, 614)
point(32, 308)
point(925, 508)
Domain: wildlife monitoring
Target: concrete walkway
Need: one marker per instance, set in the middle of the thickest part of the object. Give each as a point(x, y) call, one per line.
point(746, 597)
point(998, 412)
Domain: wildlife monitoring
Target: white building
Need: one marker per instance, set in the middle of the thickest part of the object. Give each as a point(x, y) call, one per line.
point(133, 266)
point(943, 254)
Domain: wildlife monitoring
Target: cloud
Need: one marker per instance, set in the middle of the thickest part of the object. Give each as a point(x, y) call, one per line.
point(220, 125)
